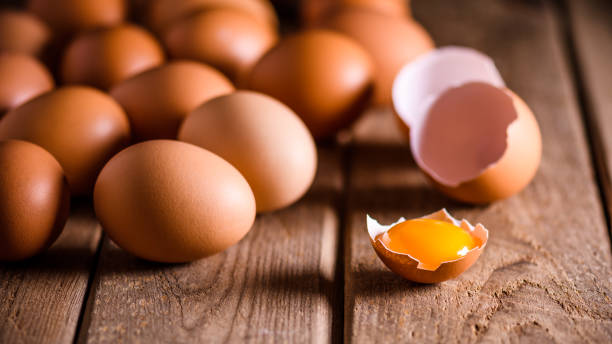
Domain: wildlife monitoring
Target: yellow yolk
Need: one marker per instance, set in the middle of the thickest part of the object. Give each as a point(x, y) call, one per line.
point(431, 242)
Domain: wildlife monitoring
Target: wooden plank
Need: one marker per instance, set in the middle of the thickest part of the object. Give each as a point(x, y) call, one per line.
point(591, 33)
point(41, 298)
point(275, 285)
point(546, 272)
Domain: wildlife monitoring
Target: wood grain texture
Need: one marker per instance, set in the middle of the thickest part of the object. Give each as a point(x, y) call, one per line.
point(41, 298)
point(276, 285)
point(591, 35)
point(545, 275)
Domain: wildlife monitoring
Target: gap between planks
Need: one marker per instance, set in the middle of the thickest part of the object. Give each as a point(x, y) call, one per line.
point(571, 21)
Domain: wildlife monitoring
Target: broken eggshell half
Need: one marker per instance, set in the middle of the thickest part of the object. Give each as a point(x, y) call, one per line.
point(473, 137)
point(410, 268)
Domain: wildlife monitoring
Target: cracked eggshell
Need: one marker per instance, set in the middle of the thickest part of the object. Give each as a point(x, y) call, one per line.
point(410, 268)
point(474, 138)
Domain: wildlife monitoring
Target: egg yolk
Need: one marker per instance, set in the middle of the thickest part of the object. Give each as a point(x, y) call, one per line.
point(431, 242)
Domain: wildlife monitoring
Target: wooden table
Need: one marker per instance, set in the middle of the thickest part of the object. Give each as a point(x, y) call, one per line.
point(309, 274)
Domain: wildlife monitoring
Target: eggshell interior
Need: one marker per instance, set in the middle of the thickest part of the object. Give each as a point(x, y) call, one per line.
point(421, 82)
point(460, 115)
point(464, 132)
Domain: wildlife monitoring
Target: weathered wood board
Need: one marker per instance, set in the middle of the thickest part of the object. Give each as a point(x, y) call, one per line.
point(277, 284)
point(41, 298)
point(590, 23)
point(546, 272)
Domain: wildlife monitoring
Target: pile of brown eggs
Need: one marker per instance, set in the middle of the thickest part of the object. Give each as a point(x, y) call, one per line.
point(182, 119)
point(185, 118)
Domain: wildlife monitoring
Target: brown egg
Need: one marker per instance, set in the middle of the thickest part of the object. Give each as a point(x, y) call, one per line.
point(158, 100)
point(22, 78)
point(263, 139)
point(313, 12)
point(35, 200)
point(67, 16)
point(227, 39)
point(21, 32)
point(446, 98)
point(171, 201)
point(324, 76)
point(392, 43)
point(414, 270)
point(104, 57)
point(164, 12)
point(81, 126)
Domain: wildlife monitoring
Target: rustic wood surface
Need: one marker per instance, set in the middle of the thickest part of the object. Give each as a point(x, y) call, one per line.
point(590, 23)
point(309, 274)
point(545, 273)
point(41, 298)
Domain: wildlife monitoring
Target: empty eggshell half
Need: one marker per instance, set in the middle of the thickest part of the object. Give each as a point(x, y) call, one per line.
point(410, 268)
point(476, 140)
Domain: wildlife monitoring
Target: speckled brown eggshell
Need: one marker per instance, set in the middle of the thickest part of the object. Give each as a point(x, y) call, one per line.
point(165, 12)
point(22, 78)
point(324, 76)
point(35, 200)
point(392, 43)
point(227, 39)
point(170, 201)
point(104, 57)
point(22, 32)
point(263, 139)
point(158, 100)
point(69, 16)
point(313, 12)
point(409, 268)
point(81, 126)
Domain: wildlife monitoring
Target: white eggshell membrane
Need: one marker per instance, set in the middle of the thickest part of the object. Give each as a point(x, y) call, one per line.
point(478, 231)
point(458, 110)
point(421, 82)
